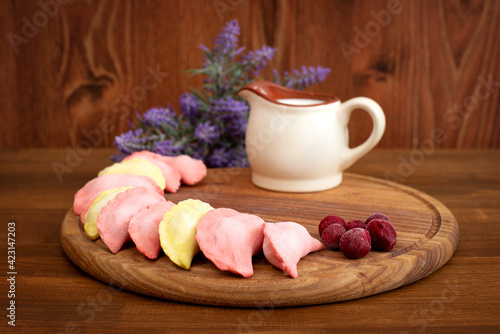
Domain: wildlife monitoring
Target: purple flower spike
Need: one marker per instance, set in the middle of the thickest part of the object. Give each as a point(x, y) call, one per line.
point(257, 59)
point(238, 158)
point(228, 38)
point(229, 106)
point(219, 157)
point(168, 147)
point(132, 141)
point(158, 117)
point(225, 157)
point(236, 126)
point(322, 73)
point(190, 106)
point(306, 77)
point(206, 132)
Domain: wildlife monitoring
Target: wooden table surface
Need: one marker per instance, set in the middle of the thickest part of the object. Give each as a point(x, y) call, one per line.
point(53, 296)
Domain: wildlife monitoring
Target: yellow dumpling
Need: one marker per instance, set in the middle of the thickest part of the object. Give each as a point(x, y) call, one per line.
point(178, 230)
point(137, 167)
point(93, 212)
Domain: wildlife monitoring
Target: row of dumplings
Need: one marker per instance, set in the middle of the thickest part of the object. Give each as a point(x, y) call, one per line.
point(126, 202)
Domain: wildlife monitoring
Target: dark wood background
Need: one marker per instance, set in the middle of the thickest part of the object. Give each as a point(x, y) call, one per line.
point(432, 65)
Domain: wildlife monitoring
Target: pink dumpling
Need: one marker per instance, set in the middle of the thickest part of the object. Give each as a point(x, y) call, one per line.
point(89, 192)
point(229, 239)
point(286, 243)
point(170, 173)
point(114, 219)
point(143, 228)
point(192, 170)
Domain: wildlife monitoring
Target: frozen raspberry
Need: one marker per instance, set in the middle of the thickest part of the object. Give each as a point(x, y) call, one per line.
point(331, 236)
point(328, 220)
point(383, 234)
point(355, 223)
point(377, 215)
point(355, 243)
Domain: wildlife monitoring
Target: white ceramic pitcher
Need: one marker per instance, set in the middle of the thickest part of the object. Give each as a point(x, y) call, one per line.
point(298, 141)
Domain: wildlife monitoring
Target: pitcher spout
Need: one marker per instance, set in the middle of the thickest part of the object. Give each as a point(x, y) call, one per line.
point(278, 94)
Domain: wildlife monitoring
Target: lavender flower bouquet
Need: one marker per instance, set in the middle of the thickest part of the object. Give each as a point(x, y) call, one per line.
point(212, 122)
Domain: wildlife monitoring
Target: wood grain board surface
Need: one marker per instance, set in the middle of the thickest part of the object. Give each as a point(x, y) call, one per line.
point(427, 238)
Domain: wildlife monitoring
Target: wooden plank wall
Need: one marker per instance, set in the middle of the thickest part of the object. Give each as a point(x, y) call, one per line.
point(77, 69)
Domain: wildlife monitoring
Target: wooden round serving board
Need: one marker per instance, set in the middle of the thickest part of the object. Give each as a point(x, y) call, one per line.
point(427, 237)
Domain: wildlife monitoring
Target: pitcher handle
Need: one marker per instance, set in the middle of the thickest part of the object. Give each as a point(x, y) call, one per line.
point(378, 118)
